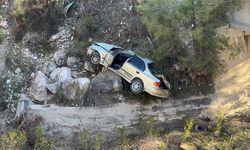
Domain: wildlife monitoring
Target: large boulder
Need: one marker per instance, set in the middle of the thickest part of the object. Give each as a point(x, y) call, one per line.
point(48, 67)
point(38, 91)
point(61, 75)
point(72, 62)
point(76, 89)
point(89, 67)
point(60, 58)
point(53, 88)
point(106, 81)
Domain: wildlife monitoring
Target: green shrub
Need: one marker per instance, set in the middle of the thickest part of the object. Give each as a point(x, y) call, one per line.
point(17, 82)
point(98, 141)
point(187, 129)
point(219, 124)
point(41, 142)
point(2, 35)
point(122, 136)
point(84, 139)
point(78, 50)
point(146, 124)
point(18, 11)
point(30, 15)
point(13, 140)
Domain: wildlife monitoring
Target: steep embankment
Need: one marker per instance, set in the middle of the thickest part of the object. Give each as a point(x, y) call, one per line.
point(233, 91)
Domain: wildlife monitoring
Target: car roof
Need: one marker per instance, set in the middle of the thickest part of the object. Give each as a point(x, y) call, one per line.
point(148, 61)
point(107, 46)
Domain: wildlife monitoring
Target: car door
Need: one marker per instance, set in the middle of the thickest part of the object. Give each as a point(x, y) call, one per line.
point(134, 67)
point(108, 59)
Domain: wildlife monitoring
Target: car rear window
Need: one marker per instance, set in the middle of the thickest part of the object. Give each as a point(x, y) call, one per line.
point(137, 62)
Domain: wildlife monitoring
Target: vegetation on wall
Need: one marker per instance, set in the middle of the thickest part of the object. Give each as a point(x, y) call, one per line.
point(41, 16)
point(13, 140)
point(183, 41)
point(178, 26)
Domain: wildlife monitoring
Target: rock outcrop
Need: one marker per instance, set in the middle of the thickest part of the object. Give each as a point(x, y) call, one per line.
point(48, 67)
point(23, 103)
point(76, 89)
point(61, 75)
point(38, 91)
point(106, 81)
point(60, 58)
point(64, 122)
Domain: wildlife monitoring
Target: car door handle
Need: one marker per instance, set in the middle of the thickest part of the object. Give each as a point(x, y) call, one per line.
point(137, 72)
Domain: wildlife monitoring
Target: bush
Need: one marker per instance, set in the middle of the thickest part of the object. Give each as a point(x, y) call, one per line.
point(78, 50)
point(187, 129)
point(2, 35)
point(41, 142)
point(98, 141)
point(219, 124)
point(123, 138)
point(84, 139)
point(146, 124)
point(16, 78)
point(41, 16)
point(13, 140)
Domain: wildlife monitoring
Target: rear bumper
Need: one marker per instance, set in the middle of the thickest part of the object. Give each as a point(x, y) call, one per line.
point(158, 92)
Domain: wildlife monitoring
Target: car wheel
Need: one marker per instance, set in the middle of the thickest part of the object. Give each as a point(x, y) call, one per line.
point(95, 58)
point(136, 86)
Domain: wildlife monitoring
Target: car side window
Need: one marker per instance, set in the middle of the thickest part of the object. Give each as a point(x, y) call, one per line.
point(137, 62)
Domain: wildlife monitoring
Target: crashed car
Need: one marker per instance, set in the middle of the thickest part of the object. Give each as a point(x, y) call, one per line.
point(134, 69)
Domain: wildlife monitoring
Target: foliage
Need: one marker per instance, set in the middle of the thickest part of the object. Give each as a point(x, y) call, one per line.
point(2, 35)
point(16, 58)
point(179, 27)
point(161, 20)
point(236, 137)
point(162, 145)
point(42, 142)
point(219, 125)
point(98, 141)
point(124, 140)
point(35, 15)
point(187, 129)
point(146, 124)
point(84, 137)
point(13, 140)
point(18, 69)
point(78, 49)
point(86, 24)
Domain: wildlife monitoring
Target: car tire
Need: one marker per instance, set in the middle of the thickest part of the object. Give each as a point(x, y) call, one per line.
point(136, 86)
point(95, 58)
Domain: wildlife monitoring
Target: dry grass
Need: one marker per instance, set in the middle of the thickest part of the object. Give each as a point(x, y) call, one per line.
point(233, 91)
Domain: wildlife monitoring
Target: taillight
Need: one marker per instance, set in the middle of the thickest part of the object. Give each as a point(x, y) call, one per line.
point(158, 84)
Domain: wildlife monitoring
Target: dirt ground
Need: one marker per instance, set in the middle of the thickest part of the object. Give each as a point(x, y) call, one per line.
point(233, 91)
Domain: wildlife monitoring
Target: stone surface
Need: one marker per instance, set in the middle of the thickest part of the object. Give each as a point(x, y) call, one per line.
point(72, 62)
point(53, 87)
point(38, 91)
point(76, 89)
point(60, 58)
point(106, 81)
point(48, 67)
point(89, 67)
point(23, 102)
point(64, 122)
point(61, 75)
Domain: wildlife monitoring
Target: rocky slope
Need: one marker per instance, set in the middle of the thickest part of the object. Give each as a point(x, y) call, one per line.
point(56, 87)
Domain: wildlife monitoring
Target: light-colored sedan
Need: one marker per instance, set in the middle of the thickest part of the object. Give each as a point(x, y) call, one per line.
point(131, 67)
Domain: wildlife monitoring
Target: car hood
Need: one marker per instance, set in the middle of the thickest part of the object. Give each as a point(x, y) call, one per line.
point(107, 47)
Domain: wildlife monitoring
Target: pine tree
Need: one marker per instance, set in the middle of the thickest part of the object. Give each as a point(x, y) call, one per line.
point(171, 22)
